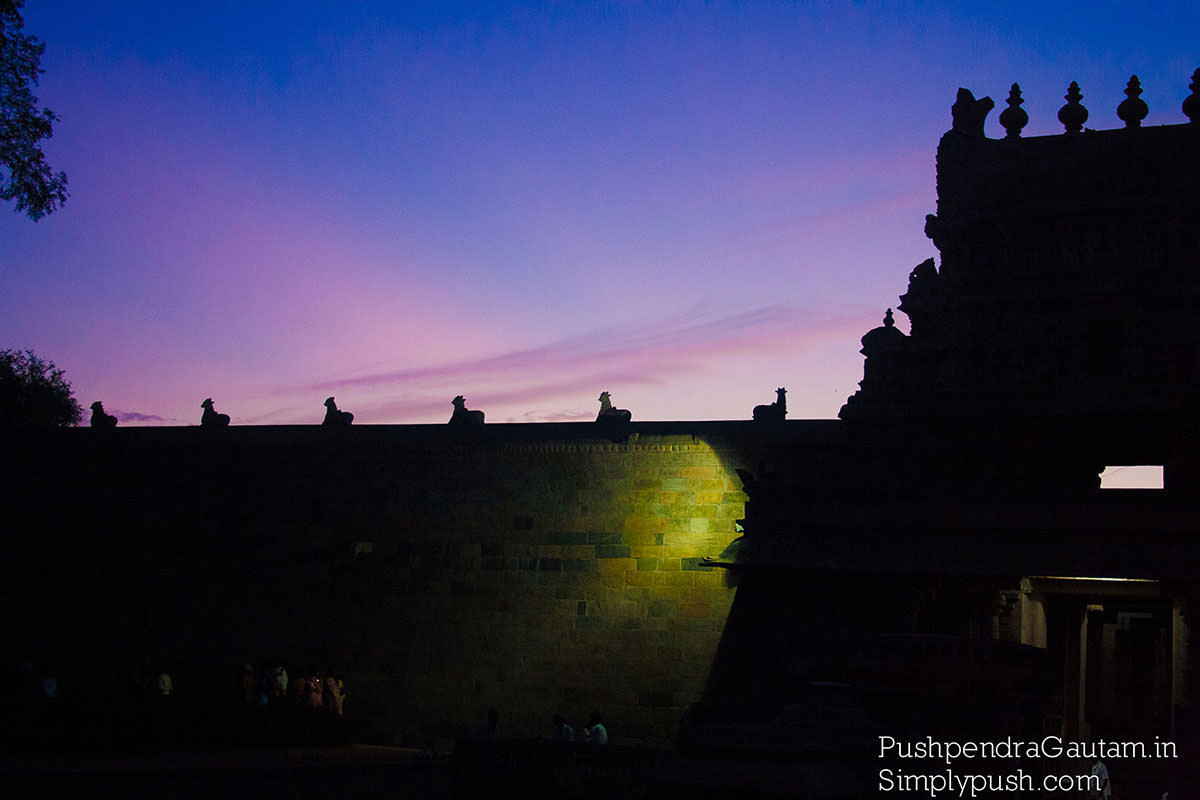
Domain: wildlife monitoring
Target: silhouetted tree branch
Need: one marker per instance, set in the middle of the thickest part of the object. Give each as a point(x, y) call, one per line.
point(34, 393)
point(24, 174)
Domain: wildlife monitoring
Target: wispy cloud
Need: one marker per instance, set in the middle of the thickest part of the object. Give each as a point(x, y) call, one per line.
point(608, 348)
point(137, 416)
point(565, 371)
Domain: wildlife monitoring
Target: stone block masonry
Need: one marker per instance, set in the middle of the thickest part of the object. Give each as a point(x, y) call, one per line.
point(581, 586)
point(539, 569)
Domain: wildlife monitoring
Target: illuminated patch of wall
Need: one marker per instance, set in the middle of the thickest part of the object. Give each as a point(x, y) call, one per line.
point(551, 576)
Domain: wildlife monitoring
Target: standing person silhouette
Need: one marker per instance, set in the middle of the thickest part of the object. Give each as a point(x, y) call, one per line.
point(561, 731)
point(1103, 790)
point(595, 732)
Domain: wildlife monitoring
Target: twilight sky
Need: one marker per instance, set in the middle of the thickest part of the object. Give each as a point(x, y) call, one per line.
point(685, 205)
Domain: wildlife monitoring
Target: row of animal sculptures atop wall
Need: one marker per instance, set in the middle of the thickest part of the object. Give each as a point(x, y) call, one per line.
point(335, 417)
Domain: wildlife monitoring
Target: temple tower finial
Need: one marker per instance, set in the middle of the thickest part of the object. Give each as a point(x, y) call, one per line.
point(1073, 114)
point(1014, 118)
point(1191, 103)
point(1133, 109)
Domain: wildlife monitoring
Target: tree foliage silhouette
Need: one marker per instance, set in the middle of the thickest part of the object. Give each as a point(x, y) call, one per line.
point(34, 393)
point(24, 174)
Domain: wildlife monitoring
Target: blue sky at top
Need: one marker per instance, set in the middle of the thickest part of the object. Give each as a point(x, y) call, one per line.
point(684, 204)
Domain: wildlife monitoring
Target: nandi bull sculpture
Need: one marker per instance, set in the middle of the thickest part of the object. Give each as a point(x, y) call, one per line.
point(464, 416)
point(775, 412)
point(610, 414)
point(335, 416)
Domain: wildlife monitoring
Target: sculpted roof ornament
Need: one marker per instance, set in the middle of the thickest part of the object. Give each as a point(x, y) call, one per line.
point(967, 114)
point(1191, 103)
point(922, 282)
point(884, 338)
point(1073, 114)
point(1133, 108)
point(1014, 118)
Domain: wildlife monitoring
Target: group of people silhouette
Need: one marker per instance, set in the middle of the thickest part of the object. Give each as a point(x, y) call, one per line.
point(312, 689)
point(335, 417)
point(595, 732)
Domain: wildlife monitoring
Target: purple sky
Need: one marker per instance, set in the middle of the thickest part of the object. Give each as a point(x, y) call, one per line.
point(686, 206)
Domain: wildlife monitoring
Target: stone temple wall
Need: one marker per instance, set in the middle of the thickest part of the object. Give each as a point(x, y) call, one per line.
point(534, 568)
